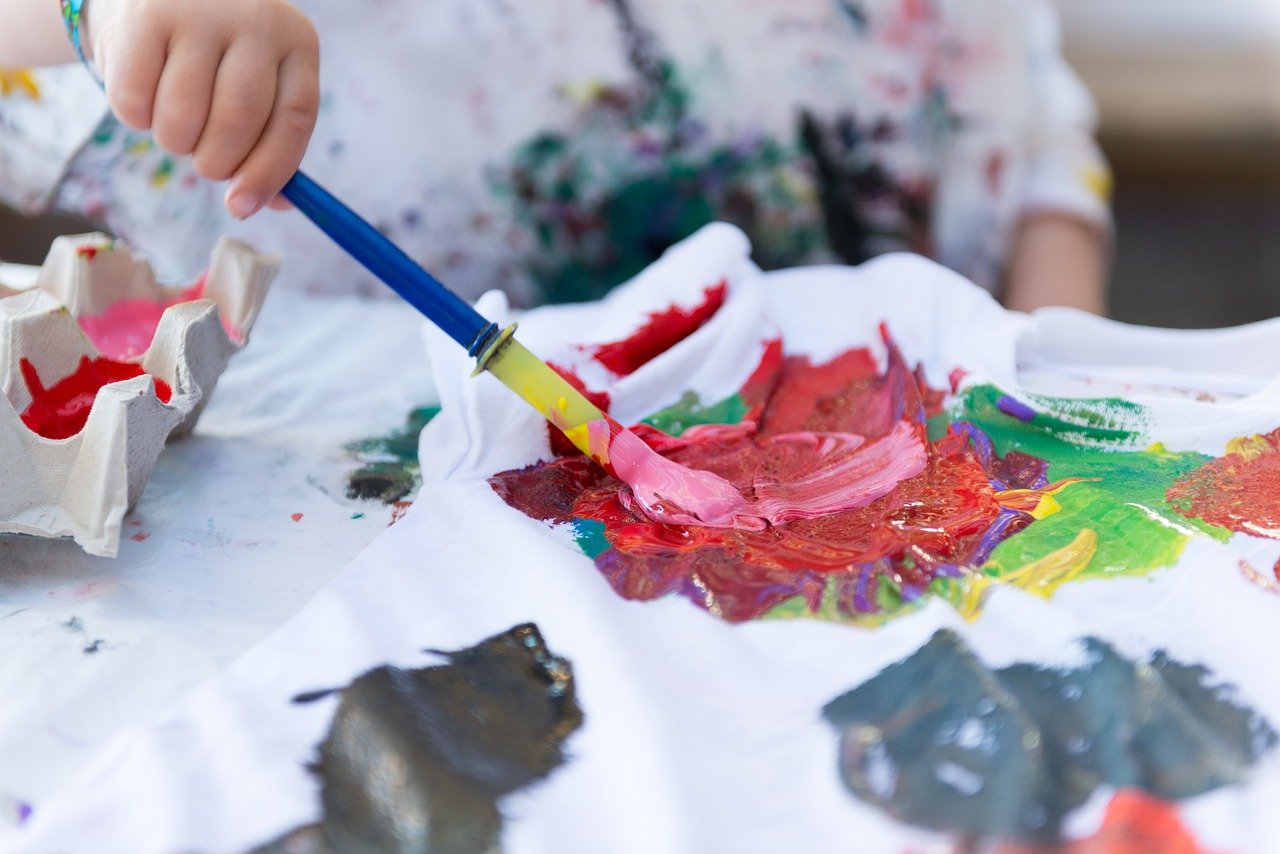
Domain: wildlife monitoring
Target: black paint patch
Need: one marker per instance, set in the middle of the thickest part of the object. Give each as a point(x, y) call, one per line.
point(389, 469)
point(941, 741)
point(416, 760)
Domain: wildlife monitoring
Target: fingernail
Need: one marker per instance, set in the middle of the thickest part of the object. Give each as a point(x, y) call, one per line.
point(242, 205)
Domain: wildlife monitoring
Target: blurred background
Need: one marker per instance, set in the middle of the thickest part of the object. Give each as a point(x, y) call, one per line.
point(1189, 96)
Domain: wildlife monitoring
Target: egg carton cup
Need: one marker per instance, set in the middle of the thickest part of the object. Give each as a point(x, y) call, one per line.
point(82, 487)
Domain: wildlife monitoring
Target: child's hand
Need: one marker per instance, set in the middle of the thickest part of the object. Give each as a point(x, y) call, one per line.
point(235, 83)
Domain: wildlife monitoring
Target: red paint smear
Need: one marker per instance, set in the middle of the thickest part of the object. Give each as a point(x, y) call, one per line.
point(140, 537)
point(1239, 491)
point(88, 252)
point(297, 517)
point(928, 526)
point(1134, 823)
point(663, 331)
point(60, 412)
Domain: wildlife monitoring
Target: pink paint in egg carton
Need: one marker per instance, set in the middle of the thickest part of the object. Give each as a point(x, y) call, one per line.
point(97, 314)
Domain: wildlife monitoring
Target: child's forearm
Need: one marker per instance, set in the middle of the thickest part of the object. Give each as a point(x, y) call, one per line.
point(1057, 259)
point(32, 33)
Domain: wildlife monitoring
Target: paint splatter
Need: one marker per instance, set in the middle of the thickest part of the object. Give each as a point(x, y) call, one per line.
point(141, 537)
point(1239, 491)
point(60, 411)
point(1134, 823)
point(297, 517)
point(864, 564)
point(389, 469)
point(19, 81)
point(398, 511)
point(127, 328)
point(662, 331)
point(417, 760)
point(941, 741)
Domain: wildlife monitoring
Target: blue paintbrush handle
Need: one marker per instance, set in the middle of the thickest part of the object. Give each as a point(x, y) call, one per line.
point(388, 262)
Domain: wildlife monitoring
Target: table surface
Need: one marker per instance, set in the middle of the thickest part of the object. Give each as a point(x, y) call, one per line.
point(239, 525)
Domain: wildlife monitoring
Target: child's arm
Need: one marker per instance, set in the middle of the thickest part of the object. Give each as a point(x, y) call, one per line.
point(31, 33)
point(1062, 242)
point(1057, 259)
point(234, 83)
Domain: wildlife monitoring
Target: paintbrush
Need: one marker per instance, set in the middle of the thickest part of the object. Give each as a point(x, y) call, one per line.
point(495, 350)
point(666, 491)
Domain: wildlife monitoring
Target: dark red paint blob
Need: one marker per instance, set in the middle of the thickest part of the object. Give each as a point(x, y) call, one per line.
point(60, 411)
point(931, 525)
point(87, 252)
point(1239, 491)
point(1134, 823)
point(661, 332)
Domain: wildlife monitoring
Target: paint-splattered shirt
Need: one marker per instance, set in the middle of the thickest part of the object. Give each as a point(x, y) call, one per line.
point(553, 149)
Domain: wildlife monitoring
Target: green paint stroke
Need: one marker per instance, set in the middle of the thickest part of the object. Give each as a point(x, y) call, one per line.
point(1123, 498)
point(590, 536)
point(389, 468)
point(689, 412)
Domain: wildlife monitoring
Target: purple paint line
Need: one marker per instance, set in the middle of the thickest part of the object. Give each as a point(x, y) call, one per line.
point(1015, 408)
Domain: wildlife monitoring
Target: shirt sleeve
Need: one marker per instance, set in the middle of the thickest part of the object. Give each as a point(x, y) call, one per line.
point(1066, 170)
point(46, 118)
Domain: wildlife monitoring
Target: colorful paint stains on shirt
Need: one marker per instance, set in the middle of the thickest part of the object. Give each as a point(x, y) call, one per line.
point(862, 565)
point(571, 142)
point(1115, 517)
point(1032, 493)
point(941, 741)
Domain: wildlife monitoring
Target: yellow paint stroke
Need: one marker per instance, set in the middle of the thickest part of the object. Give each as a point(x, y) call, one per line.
point(970, 595)
point(20, 81)
point(1044, 576)
point(1040, 503)
point(1251, 447)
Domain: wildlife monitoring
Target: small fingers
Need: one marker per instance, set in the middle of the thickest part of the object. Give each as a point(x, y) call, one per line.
point(244, 92)
point(284, 140)
point(131, 70)
point(185, 94)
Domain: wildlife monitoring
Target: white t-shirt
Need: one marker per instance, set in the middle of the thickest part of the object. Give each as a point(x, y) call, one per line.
point(706, 735)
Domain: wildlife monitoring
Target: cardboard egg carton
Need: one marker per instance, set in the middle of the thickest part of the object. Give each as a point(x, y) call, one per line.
point(82, 486)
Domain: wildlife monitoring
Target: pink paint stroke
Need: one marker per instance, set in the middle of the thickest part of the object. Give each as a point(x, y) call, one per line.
point(845, 473)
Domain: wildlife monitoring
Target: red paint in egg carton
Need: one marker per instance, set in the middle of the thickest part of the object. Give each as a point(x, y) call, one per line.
point(61, 411)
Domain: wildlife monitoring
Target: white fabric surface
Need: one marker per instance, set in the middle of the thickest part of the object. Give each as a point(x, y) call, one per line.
point(220, 562)
point(699, 735)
